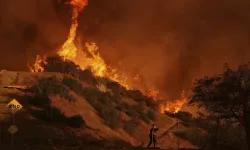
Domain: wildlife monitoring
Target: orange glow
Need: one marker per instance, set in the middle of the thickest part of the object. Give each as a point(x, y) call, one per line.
point(152, 93)
point(174, 106)
point(36, 67)
point(88, 56)
point(69, 50)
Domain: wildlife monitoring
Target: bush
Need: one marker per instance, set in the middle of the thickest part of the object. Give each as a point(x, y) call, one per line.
point(119, 107)
point(73, 84)
point(184, 115)
point(125, 105)
point(110, 115)
point(105, 98)
point(131, 112)
point(172, 115)
point(139, 108)
point(131, 125)
point(51, 86)
point(151, 115)
point(56, 64)
point(186, 124)
point(87, 76)
point(149, 102)
point(56, 115)
point(91, 93)
point(112, 118)
point(53, 114)
point(76, 121)
point(145, 118)
point(41, 101)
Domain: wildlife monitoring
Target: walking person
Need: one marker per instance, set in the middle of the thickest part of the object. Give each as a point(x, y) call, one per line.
point(152, 135)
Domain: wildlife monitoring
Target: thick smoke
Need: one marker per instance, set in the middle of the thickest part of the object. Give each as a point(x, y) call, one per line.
point(28, 28)
point(169, 41)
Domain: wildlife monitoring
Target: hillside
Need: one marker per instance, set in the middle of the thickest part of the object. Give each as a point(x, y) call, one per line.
point(59, 109)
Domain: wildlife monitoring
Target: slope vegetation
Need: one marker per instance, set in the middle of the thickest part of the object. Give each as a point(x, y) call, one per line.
point(69, 106)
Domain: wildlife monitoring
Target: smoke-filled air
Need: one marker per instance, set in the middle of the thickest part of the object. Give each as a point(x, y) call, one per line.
point(156, 46)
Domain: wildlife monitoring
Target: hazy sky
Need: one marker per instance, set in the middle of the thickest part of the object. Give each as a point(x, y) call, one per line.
point(170, 42)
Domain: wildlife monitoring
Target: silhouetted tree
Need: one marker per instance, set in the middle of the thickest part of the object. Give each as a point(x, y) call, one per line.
point(227, 95)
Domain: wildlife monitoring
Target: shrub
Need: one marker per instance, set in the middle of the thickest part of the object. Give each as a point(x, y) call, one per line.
point(91, 93)
point(131, 112)
point(172, 115)
point(149, 102)
point(131, 125)
point(145, 118)
point(51, 86)
point(73, 84)
point(105, 98)
point(119, 107)
point(184, 115)
point(110, 115)
point(56, 115)
point(186, 124)
point(151, 115)
point(41, 101)
point(87, 76)
point(56, 64)
point(76, 121)
point(139, 108)
point(53, 114)
point(125, 105)
point(112, 118)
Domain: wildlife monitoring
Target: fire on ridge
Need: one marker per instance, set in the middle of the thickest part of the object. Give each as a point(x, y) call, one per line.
point(69, 51)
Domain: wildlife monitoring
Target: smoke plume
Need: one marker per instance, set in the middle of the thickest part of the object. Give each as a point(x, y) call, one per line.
point(169, 42)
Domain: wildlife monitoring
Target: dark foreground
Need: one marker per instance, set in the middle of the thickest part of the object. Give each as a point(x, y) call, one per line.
point(72, 148)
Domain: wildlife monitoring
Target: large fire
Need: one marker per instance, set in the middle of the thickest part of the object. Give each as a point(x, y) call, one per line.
point(174, 106)
point(36, 67)
point(69, 50)
point(89, 57)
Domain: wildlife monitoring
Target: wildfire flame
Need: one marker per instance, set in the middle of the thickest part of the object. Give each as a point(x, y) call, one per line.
point(93, 59)
point(69, 50)
point(36, 67)
point(174, 106)
point(89, 57)
point(153, 93)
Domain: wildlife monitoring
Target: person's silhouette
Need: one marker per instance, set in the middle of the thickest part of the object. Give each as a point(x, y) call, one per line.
point(152, 135)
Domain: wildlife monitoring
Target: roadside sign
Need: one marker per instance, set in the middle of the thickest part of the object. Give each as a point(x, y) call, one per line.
point(12, 129)
point(14, 106)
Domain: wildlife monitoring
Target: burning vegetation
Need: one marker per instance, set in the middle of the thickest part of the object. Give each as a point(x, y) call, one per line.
point(174, 106)
point(88, 57)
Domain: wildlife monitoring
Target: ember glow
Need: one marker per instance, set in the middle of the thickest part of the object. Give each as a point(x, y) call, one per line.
point(36, 67)
point(87, 56)
point(174, 106)
point(69, 50)
point(152, 93)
